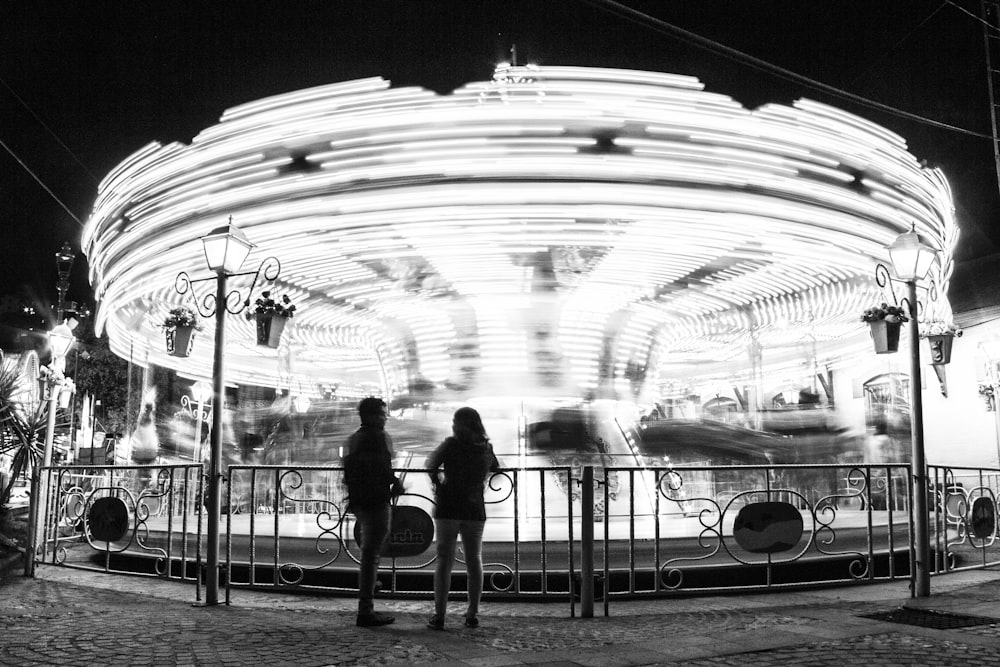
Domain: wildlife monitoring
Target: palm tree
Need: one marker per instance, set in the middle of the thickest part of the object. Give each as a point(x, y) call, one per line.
point(22, 428)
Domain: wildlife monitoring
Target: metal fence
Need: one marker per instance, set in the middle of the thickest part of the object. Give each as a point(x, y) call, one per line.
point(656, 531)
point(963, 520)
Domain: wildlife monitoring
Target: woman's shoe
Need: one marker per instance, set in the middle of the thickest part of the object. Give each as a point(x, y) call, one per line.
point(436, 623)
point(471, 622)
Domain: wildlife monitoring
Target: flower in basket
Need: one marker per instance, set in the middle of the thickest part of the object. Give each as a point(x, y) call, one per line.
point(181, 317)
point(265, 305)
point(939, 328)
point(891, 314)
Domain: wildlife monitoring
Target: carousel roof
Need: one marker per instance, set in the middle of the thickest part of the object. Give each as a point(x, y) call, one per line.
point(554, 230)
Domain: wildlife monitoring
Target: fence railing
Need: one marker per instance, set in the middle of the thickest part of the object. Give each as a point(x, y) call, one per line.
point(115, 517)
point(657, 531)
point(963, 520)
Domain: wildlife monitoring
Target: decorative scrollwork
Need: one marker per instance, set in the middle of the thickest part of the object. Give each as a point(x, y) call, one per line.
point(824, 512)
point(235, 303)
point(884, 279)
point(671, 577)
point(502, 579)
point(269, 268)
point(183, 284)
point(502, 484)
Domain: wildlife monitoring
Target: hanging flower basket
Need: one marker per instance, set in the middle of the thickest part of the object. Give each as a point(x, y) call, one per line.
point(179, 327)
point(940, 336)
point(884, 322)
point(271, 315)
point(180, 341)
point(885, 335)
point(940, 348)
point(269, 328)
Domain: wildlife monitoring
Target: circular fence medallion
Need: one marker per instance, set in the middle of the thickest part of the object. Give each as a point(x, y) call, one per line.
point(983, 520)
point(412, 531)
point(767, 528)
point(108, 519)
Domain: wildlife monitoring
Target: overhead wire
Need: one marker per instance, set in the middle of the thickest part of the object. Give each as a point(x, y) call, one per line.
point(49, 130)
point(40, 182)
point(24, 165)
point(659, 25)
point(970, 14)
point(898, 43)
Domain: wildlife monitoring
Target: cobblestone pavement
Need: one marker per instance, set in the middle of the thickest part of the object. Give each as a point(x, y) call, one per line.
point(74, 617)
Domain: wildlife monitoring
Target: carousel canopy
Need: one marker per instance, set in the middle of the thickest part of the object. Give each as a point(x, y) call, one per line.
point(555, 230)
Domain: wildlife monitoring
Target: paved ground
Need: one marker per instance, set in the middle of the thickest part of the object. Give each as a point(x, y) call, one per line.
point(73, 617)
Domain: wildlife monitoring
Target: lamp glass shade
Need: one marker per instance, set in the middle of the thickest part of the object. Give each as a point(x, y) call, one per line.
point(64, 259)
point(201, 391)
point(60, 340)
point(911, 259)
point(226, 248)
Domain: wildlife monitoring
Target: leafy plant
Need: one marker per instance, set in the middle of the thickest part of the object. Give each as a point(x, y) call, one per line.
point(891, 314)
point(182, 316)
point(939, 328)
point(22, 429)
point(265, 305)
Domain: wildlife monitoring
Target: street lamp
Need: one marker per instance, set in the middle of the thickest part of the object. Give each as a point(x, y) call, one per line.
point(60, 340)
point(911, 260)
point(226, 248)
point(64, 265)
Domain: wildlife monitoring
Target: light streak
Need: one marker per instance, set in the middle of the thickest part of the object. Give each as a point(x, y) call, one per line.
point(508, 225)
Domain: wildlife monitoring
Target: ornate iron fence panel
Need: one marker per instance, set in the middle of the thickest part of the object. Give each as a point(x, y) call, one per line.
point(963, 522)
point(684, 529)
point(137, 519)
point(289, 527)
point(662, 530)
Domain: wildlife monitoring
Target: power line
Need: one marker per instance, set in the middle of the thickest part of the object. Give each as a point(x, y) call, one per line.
point(48, 129)
point(898, 43)
point(966, 11)
point(659, 25)
point(39, 181)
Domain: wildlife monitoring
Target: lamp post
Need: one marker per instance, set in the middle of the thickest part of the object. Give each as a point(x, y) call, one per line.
point(911, 260)
point(226, 248)
point(60, 340)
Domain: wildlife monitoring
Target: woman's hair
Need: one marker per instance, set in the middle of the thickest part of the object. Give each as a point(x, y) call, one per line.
point(470, 419)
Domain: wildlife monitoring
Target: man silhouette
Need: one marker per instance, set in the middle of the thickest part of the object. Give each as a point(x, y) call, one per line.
point(371, 485)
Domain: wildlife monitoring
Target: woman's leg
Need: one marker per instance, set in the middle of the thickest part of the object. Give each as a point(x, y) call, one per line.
point(472, 545)
point(446, 536)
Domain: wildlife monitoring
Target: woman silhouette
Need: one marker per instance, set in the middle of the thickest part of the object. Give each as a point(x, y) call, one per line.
point(458, 469)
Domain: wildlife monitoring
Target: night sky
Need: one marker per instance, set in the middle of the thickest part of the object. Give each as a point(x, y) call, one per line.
point(83, 85)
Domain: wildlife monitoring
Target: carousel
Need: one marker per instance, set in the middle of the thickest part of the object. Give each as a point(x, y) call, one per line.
point(577, 252)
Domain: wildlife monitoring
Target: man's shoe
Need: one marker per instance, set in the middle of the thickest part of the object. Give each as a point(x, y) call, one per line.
point(471, 622)
point(374, 619)
point(435, 623)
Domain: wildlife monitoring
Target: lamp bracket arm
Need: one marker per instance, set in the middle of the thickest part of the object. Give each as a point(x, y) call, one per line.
point(884, 279)
point(184, 284)
point(269, 270)
point(913, 312)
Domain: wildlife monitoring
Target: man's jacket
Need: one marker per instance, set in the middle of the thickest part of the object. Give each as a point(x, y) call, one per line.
point(368, 469)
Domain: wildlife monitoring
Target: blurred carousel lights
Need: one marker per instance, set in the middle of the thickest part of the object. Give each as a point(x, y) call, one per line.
point(197, 410)
point(399, 212)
